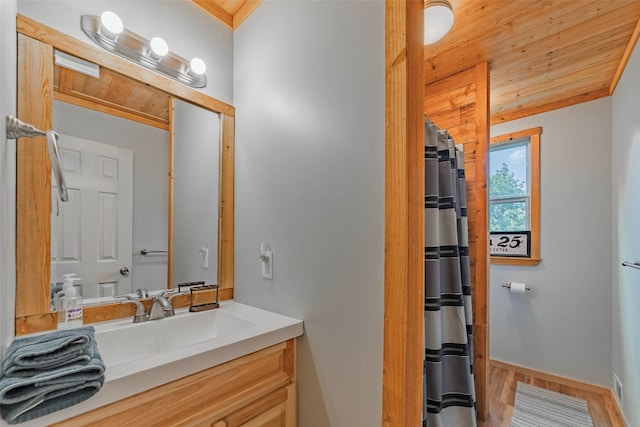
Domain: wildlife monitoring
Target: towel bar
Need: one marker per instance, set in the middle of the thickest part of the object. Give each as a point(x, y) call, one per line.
point(145, 251)
point(635, 264)
point(16, 128)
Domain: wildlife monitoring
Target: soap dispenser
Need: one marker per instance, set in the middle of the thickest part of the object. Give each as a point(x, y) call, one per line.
point(69, 304)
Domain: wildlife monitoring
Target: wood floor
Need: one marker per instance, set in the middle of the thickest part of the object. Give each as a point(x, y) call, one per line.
point(502, 390)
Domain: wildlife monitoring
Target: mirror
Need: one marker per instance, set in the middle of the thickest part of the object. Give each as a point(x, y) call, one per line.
point(169, 148)
point(113, 231)
point(118, 171)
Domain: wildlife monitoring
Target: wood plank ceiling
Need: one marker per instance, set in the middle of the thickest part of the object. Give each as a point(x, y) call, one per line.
point(230, 12)
point(543, 54)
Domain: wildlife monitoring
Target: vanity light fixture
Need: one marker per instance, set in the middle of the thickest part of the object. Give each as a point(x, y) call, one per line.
point(111, 23)
point(438, 20)
point(198, 66)
point(159, 46)
point(108, 32)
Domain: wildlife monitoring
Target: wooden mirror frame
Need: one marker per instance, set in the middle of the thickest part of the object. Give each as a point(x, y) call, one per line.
point(36, 43)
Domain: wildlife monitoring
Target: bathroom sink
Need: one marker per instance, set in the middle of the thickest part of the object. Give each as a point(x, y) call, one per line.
point(224, 333)
point(125, 341)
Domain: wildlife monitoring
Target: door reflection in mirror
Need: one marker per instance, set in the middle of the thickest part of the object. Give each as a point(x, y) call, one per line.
point(91, 234)
point(116, 210)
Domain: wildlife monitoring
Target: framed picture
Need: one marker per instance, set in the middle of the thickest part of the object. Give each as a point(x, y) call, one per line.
point(510, 244)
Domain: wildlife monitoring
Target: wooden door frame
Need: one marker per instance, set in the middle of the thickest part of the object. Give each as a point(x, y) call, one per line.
point(404, 226)
point(404, 213)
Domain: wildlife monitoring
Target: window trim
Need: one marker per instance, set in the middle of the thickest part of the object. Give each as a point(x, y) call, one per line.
point(534, 196)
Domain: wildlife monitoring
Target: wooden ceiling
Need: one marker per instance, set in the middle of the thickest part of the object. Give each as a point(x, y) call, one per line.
point(230, 12)
point(543, 54)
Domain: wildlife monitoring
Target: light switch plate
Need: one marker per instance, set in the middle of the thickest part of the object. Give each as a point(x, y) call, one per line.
point(267, 265)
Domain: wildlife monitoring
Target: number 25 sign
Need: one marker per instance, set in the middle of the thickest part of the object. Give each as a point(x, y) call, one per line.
point(510, 243)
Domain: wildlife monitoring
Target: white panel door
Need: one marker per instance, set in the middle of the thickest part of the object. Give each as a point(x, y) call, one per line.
point(91, 233)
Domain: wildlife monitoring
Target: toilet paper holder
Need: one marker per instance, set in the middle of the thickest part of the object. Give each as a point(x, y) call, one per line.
point(508, 286)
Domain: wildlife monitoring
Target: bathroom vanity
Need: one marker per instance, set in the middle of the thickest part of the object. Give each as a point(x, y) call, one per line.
point(232, 366)
point(255, 390)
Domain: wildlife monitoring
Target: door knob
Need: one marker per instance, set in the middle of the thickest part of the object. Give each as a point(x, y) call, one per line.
point(124, 271)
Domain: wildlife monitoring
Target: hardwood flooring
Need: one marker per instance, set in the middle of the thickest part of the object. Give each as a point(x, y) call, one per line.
point(502, 390)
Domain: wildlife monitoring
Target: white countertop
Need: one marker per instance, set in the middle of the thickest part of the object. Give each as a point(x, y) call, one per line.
point(257, 329)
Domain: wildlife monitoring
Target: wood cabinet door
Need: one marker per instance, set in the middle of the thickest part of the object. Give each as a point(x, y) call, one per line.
point(274, 410)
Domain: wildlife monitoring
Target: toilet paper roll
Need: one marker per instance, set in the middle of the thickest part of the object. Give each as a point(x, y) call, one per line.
point(518, 288)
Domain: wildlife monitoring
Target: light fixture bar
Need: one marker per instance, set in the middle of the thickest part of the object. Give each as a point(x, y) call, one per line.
point(138, 49)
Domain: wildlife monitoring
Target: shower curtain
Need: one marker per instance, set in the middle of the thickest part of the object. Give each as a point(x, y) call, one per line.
point(449, 397)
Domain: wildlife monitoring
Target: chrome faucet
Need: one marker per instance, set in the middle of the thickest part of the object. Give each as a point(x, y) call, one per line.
point(142, 293)
point(141, 314)
point(162, 307)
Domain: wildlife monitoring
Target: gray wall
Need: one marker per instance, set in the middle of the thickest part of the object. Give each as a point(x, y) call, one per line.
point(309, 97)
point(564, 325)
point(150, 148)
point(7, 174)
point(188, 30)
point(626, 235)
point(196, 163)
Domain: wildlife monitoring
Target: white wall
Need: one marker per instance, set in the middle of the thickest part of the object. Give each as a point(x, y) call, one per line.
point(309, 97)
point(150, 148)
point(626, 235)
point(563, 326)
point(188, 30)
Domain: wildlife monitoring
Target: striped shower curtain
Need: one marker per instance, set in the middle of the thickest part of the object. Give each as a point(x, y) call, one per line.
point(449, 399)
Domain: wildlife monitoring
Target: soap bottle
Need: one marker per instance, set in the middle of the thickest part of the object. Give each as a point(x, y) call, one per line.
point(69, 304)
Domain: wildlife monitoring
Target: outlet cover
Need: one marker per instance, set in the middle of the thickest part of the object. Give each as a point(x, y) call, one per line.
point(618, 389)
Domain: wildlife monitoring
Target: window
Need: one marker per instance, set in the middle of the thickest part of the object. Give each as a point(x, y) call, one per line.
point(514, 195)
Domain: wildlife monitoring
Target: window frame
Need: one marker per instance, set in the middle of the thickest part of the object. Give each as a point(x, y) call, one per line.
point(534, 195)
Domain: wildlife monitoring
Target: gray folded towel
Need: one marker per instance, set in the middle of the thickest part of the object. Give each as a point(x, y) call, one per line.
point(33, 391)
point(50, 391)
point(51, 350)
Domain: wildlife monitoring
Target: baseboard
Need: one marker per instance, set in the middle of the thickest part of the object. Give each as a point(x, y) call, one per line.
point(612, 404)
point(593, 388)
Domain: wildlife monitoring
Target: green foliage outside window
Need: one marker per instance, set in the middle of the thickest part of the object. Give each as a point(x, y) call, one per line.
point(508, 215)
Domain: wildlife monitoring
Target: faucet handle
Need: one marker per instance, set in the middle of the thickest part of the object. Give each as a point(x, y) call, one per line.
point(141, 314)
point(167, 292)
point(176, 294)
